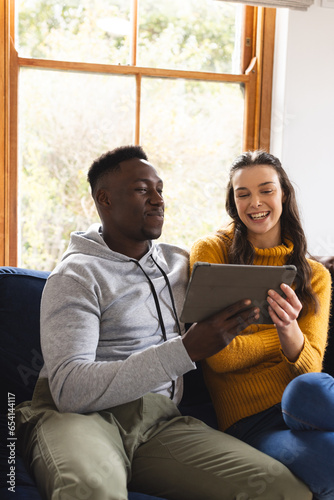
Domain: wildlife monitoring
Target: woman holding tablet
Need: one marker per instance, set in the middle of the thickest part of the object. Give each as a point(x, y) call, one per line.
point(266, 385)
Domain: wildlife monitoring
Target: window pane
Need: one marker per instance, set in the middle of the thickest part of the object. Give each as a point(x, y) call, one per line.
point(192, 130)
point(66, 121)
point(96, 31)
point(199, 35)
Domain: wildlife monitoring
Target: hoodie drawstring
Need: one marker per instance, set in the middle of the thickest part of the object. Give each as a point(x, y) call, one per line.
point(157, 305)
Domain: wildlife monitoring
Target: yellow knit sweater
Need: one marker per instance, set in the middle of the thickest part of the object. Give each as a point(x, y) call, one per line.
point(251, 373)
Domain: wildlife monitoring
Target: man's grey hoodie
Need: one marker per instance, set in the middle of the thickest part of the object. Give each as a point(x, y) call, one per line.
point(101, 336)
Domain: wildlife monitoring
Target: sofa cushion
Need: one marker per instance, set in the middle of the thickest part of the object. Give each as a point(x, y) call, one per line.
point(20, 352)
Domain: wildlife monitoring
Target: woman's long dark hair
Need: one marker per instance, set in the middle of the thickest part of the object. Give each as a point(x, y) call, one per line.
point(241, 251)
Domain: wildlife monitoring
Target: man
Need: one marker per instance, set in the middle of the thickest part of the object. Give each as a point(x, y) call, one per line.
point(104, 413)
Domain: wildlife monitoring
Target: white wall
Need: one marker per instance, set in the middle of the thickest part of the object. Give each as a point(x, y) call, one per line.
point(303, 116)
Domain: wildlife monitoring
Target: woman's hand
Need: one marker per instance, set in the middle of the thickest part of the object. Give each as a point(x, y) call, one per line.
point(284, 312)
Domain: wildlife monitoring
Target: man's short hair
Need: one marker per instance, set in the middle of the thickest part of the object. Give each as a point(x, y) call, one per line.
point(110, 161)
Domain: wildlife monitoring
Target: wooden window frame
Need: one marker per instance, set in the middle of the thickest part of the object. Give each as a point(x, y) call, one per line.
point(256, 76)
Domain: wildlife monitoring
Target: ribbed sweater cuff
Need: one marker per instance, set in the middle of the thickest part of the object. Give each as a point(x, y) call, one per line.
point(174, 358)
point(305, 362)
point(270, 341)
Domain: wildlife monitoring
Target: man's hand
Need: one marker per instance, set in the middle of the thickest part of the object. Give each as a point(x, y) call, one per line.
point(206, 338)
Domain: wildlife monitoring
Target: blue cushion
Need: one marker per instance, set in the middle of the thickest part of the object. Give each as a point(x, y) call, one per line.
point(20, 351)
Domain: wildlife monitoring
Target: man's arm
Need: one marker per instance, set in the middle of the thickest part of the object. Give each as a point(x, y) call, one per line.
point(70, 328)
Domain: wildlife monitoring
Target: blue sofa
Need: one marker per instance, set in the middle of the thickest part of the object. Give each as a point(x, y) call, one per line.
point(21, 361)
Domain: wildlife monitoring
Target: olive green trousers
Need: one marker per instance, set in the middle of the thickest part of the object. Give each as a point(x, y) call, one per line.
point(145, 446)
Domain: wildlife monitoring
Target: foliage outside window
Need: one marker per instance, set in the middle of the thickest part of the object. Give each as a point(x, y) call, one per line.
point(96, 74)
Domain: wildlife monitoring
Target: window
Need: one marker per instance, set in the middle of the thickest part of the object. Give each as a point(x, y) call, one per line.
point(189, 81)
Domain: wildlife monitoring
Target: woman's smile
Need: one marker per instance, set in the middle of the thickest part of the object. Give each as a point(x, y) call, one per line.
point(259, 216)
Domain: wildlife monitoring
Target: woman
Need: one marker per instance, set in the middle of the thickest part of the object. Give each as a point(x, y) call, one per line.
point(265, 385)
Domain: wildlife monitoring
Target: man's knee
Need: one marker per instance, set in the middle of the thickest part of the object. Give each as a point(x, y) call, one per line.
point(77, 457)
point(80, 477)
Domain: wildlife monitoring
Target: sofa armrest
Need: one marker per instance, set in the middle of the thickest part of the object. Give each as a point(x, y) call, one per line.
point(20, 351)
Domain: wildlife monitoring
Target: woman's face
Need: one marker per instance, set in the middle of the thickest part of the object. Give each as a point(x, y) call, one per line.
point(259, 201)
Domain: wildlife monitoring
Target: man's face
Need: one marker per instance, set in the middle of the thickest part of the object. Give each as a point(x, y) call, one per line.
point(136, 207)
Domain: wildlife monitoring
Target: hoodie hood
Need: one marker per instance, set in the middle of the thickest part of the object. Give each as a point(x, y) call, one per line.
point(91, 243)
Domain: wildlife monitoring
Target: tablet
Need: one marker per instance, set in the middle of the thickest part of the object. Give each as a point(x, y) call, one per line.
point(212, 287)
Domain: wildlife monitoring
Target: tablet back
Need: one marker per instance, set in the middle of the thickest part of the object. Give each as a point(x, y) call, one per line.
point(212, 287)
